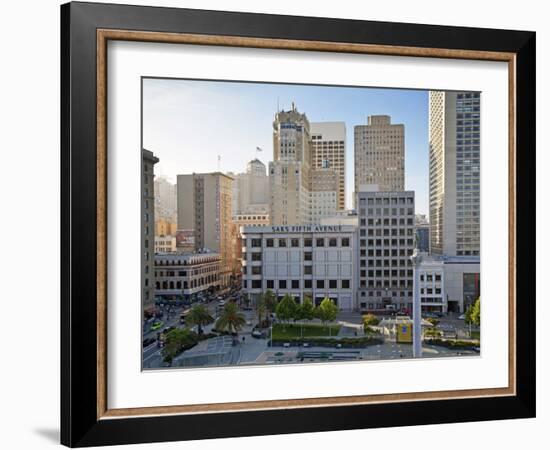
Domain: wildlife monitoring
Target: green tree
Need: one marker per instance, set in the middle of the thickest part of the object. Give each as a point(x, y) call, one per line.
point(260, 309)
point(286, 309)
point(473, 315)
point(304, 311)
point(199, 316)
point(370, 319)
point(270, 302)
point(326, 311)
point(231, 320)
point(177, 341)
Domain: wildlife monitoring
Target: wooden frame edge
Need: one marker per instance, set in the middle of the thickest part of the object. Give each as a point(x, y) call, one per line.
point(103, 35)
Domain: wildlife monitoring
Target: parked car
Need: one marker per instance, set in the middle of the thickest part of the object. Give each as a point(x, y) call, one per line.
point(147, 342)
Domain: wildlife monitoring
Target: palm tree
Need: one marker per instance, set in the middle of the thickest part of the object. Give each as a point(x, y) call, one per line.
point(199, 316)
point(231, 319)
point(260, 309)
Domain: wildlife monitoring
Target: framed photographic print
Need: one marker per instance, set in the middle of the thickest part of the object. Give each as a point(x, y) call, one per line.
point(277, 224)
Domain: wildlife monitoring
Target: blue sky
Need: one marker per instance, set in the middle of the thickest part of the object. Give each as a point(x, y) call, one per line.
point(188, 123)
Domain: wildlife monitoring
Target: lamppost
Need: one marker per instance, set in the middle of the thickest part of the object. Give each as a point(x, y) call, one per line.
point(416, 259)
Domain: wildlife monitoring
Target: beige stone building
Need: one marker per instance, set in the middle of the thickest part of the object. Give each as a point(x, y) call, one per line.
point(380, 154)
point(165, 227)
point(204, 206)
point(328, 141)
point(148, 228)
point(290, 170)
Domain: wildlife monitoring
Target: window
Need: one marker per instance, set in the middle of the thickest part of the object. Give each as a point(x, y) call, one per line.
point(270, 284)
point(332, 242)
point(282, 242)
point(295, 284)
point(307, 242)
point(345, 242)
point(282, 284)
point(320, 242)
point(256, 243)
point(307, 270)
point(345, 284)
point(256, 284)
point(307, 284)
point(308, 256)
point(256, 270)
point(332, 284)
point(269, 242)
point(320, 284)
point(295, 242)
point(257, 256)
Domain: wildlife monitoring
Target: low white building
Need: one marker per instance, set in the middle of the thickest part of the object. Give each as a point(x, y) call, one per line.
point(165, 244)
point(315, 261)
point(449, 283)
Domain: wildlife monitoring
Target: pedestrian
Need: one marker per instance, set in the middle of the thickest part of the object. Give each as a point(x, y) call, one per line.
point(243, 339)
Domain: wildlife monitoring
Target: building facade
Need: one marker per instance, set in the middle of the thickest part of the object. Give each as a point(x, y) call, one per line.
point(328, 144)
point(386, 242)
point(204, 206)
point(449, 283)
point(165, 244)
point(165, 199)
point(422, 232)
point(180, 276)
point(324, 194)
point(454, 173)
point(314, 261)
point(379, 149)
point(251, 189)
point(148, 227)
point(290, 170)
point(165, 227)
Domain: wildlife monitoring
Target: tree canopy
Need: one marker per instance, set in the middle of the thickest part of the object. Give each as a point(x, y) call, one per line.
point(286, 309)
point(473, 313)
point(327, 310)
point(231, 320)
point(199, 316)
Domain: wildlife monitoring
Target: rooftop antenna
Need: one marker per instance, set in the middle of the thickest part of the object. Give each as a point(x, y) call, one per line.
point(219, 162)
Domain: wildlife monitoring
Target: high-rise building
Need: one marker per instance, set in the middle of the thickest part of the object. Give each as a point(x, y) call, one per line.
point(380, 154)
point(328, 144)
point(386, 242)
point(204, 206)
point(148, 228)
point(454, 173)
point(165, 199)
point(324, 194)
point(290, 170)
point(251, 189)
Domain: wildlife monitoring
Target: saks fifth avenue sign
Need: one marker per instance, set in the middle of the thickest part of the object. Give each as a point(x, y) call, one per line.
point(306, 228)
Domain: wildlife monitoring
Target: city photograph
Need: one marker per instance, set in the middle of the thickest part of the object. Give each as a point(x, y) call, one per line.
point(304, 224)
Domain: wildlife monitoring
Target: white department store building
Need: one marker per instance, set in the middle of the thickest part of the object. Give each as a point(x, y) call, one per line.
point(315, 261)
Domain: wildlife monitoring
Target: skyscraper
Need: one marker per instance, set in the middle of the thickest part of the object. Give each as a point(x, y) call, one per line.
point(328, 140)
point(148, 228)
point(380, 154)
point(204, 206)
point(454, 173)
point(290, 170)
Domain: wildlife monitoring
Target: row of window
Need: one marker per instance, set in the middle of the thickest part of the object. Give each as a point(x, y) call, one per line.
point(297, 242)
point(298, 284)
point(386, 211)
point(386, 201)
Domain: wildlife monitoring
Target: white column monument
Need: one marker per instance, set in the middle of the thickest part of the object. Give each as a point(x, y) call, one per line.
point(416, 259)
